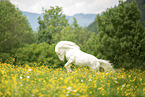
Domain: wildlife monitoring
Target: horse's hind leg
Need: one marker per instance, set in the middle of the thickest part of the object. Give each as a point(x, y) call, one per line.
point(95, 66)
point(107, 67)
point(69, 68)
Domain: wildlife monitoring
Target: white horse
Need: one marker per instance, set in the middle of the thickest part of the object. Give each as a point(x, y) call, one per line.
point(75, 56)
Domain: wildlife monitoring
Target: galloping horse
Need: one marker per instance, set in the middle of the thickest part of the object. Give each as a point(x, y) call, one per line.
point(75, 56)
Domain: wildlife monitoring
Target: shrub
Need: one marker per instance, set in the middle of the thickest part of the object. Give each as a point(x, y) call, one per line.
point(38, 54)
point(6, 58)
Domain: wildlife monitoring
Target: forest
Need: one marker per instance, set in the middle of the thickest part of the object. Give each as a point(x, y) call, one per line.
point(117, 35)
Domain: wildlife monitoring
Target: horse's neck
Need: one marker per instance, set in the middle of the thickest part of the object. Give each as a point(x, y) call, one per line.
point(65, 50)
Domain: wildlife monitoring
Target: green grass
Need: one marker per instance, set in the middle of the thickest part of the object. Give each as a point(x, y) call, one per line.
point(41, 81)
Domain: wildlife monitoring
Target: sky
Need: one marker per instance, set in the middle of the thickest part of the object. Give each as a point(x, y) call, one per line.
point(69, 7)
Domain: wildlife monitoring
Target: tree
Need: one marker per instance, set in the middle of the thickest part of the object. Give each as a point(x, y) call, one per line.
point(92, 27)
point(14, 28)
point(52, 23)
point(141, 6)
point(121, 36)
point(74, 33)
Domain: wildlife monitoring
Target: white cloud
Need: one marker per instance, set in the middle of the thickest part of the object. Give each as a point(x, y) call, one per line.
point(70, 7)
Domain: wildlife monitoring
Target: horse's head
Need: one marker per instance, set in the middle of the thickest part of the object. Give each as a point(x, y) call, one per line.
point(61, 54)
point(63, 46)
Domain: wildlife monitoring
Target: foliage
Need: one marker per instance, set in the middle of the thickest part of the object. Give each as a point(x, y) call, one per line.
point(7, 58)
point(90, 45)
point(141, 6)
point(92, 27)
point(40, 54)
point(121, 36)
point(52, 23)
point(14, 28)
point(28, 81)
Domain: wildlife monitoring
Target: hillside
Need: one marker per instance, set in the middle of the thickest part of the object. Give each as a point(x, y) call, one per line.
point(83, 19)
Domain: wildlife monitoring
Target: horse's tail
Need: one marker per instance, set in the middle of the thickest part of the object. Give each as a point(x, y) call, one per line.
point(106, 65)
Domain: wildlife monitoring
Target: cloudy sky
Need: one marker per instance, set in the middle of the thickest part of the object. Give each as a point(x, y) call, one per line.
point(70, 7)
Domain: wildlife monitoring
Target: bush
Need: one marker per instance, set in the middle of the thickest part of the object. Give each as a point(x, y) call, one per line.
point(38, 55)
point(6, 58)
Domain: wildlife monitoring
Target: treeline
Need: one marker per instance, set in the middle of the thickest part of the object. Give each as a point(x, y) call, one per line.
point(15, 30)
point(119, 37)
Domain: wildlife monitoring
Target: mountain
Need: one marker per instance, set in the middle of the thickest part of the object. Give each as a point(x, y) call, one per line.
point(32, 18)
point(83, 19)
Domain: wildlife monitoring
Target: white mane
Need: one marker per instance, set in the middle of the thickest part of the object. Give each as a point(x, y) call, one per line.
point(66, 45)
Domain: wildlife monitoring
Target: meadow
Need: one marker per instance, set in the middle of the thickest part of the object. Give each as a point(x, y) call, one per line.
point(18, 81)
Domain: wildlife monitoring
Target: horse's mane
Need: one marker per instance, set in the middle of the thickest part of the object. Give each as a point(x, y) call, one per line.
point(66, 45)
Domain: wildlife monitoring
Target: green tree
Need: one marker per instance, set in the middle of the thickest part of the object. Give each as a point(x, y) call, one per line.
point(141, 6)
point(74, 33)
point(91, 43)
point(92, 27)
point(53, 22)
point(121, 36)
point(14, 28)
point(75, 24)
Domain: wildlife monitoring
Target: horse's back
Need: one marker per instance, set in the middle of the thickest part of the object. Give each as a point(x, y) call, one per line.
point(81, 58)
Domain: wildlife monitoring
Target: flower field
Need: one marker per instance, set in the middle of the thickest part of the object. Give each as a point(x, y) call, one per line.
point(17, 81)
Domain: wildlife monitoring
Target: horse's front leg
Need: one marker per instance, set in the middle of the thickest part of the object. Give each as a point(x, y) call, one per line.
point(67, 65)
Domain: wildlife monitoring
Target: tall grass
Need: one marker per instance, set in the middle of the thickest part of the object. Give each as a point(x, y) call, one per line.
point(17, 81)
